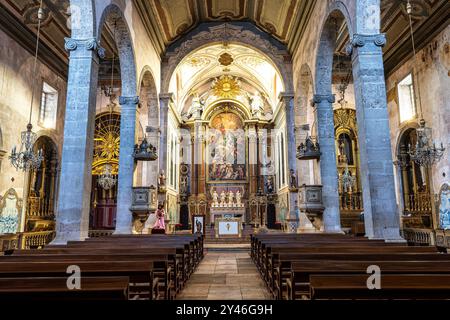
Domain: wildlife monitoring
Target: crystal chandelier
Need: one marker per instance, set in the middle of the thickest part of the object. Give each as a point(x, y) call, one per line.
point(107, 180)
point(26, 159)
point(425, 153)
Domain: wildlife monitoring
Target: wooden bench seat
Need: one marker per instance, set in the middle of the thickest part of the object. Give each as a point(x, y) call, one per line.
point(55, 288)
point(399, 286)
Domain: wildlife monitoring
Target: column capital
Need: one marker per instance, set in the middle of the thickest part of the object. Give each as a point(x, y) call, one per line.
point(90, 44)
point(319, 98)
point(286, 96)
point(128, 100)
point(167, 97)
point(360, 40)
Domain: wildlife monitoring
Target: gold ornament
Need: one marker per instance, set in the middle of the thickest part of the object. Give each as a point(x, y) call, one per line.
point(226, 87)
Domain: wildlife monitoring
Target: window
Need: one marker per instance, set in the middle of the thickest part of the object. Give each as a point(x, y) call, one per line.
point(407, 106)
point(49, 106)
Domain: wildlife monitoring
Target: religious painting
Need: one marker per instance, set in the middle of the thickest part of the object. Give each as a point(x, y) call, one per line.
point(226, 149)
point(198, 224)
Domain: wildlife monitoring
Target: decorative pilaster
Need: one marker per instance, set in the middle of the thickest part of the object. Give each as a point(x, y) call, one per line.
point(377, 177)
point(328, 169)
point(252, 158)
point(76, 167)
point(124, 218)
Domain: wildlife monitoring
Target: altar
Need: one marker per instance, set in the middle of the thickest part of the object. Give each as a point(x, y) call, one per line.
point(228, 227)
point(227, 213)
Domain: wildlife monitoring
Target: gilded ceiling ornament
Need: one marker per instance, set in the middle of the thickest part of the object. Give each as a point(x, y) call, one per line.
point(226, 59)
point(226, 87)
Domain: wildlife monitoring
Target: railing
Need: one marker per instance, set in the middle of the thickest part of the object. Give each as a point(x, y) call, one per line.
point(37, 208)
point(351, 201)
point(419, 236)
point(418, 203)
point(100, 233)
point(35, 240)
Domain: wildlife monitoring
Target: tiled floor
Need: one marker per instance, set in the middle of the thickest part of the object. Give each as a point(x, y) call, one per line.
point(225, 275)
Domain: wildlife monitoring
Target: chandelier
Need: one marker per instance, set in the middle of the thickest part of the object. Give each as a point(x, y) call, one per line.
point(26, 159)
point(425, 153)
point(107, 180)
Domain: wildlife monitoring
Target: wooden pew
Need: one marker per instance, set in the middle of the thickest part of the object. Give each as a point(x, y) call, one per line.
point(141, 274)
point(299, 282)
point(399, 286)
point(55, 288)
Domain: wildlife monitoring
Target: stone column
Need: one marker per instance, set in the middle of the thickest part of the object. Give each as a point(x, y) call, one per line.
point(76, 168)
point(380, 210)
point(165, 99)
point(124, 217)
point(328, 169)
point(252, 158)
point(288, 103)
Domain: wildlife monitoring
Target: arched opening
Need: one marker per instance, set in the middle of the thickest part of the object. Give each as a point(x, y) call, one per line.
point(106, 158)
point(417, 212)
point(40, 210)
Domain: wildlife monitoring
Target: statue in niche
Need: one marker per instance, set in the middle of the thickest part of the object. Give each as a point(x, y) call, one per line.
point(230, 199)
point(256, 104)
point(215, 198)
point(293, 180)
point(160, 213)
point(223, 197)
point(9, 212)
point(238, 199)
point(162, 179)
point(184, 184)
point(269, 185)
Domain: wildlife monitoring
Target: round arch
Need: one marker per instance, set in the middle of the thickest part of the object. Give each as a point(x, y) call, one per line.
point(232, 34)
point(111, 15)
point(237, 107)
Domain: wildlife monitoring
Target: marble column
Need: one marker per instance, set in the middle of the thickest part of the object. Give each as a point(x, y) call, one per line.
point(76, 168)
point(328, 169)
point(124, 217)
point(377, 176)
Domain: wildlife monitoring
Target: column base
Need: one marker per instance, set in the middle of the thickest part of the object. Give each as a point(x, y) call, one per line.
point(63, 237)
point(120, 231)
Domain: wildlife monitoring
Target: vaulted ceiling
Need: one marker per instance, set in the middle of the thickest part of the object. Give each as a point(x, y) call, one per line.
point(167, 20)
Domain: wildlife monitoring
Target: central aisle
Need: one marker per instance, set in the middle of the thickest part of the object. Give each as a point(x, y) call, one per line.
point(225, 275)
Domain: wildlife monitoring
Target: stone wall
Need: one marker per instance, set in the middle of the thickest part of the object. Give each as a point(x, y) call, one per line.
point(433, 81)
point(16, 82)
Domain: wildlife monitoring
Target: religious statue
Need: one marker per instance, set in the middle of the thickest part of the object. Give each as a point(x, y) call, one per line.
point(293, 180)
point(238, 199)
point(197, 106)
point(256, 104)
point(159, 224)
point(230, 199)
point(162, 179)
point(215, 199)
point(223, 197)
point(184, 184)
point(269, 185)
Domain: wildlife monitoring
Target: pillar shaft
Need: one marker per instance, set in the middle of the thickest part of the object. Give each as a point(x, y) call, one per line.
point(380, 209)
point(76, 168)
point(328, 170)
point(124, 217)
